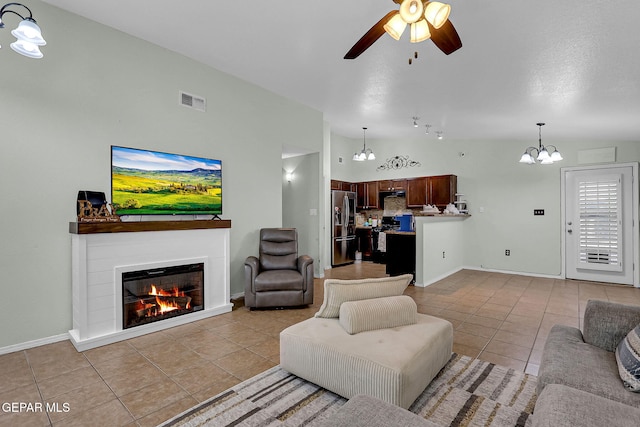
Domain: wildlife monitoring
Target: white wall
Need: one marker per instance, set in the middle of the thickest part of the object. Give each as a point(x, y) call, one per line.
point(300, 203)
point(491, 177)
point(96, 87)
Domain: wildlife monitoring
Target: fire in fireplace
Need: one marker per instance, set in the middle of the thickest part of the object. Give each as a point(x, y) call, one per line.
point(160, 293)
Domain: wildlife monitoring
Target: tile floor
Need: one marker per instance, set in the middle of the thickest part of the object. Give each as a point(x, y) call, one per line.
point(497, 317)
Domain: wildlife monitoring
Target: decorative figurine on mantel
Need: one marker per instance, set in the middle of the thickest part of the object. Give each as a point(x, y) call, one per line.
point(87, 213)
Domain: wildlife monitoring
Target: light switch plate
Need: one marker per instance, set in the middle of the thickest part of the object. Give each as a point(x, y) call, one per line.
point(538, 211)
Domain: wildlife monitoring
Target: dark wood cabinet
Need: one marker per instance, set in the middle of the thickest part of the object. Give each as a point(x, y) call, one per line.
point(416, 192)
point(392, 185)
point(441, 190)
point(367, 195)
point(365, 242)
point(342, 185)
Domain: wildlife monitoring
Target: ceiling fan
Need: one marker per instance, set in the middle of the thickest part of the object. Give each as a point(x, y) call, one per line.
point(426, 19)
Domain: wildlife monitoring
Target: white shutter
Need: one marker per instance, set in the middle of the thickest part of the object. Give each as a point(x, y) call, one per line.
point(600, 213)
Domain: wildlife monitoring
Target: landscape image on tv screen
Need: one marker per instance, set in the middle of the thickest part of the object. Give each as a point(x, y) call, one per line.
point(147, 182)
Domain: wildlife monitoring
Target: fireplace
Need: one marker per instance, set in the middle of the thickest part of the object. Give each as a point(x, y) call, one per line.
point(156, 294)
point(104, 254)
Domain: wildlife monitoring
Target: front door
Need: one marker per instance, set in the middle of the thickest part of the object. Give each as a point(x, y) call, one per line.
point(600, 204)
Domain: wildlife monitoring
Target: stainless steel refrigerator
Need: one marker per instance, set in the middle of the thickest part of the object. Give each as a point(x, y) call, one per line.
point(343, 230)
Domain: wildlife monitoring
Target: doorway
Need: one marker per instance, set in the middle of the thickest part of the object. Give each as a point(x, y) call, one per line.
point(600, 213)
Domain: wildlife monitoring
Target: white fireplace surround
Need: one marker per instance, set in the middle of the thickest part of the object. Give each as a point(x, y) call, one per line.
point(98, 261)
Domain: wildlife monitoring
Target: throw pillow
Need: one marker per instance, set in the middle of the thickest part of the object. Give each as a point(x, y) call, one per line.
point(337, 291)
point(628, 358)
point(377, 313)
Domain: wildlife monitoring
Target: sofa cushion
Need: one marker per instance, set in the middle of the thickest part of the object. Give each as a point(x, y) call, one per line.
point(628, 358)
point(366, 411)
point(561, 406)
point(568, 360)
point(337, 291)
point(377, 313)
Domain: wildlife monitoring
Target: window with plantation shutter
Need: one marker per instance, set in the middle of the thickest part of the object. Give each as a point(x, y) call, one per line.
point(600, 216)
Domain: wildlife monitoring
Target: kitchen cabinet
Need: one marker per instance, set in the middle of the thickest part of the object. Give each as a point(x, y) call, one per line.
point(341, 185)
point(392, 185)
point(441, 190)
point(364, 237)
point(416, 192)
point(367, 195)
point(401, 253)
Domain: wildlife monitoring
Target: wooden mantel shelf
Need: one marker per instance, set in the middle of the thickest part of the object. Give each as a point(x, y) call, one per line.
point(132, 227)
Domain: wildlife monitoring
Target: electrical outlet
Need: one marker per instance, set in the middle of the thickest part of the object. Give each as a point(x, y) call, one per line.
point(507, 252)
point(538, 211)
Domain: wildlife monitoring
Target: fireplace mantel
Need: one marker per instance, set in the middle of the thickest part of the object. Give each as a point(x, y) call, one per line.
point(102, 251)
point(127, 227)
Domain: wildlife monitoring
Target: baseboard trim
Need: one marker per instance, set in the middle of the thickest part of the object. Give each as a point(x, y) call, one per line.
point(517, 273)
point(433, 280)
point(35, 343)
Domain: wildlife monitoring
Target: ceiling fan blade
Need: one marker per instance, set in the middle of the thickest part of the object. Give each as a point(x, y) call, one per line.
point(370, 37)
point(446, 38)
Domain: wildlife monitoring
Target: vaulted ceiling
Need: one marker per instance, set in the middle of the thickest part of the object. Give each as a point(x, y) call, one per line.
point(572, 64)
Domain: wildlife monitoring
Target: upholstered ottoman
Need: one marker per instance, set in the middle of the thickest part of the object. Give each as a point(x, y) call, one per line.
point(379, 347)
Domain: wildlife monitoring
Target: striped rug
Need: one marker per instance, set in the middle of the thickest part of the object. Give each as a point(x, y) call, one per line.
point(467, 392)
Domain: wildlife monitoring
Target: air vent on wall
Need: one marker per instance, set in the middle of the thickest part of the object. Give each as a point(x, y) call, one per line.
point(193, 101)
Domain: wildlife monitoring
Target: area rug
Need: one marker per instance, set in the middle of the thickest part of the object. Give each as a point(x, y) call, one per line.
point(467, 392)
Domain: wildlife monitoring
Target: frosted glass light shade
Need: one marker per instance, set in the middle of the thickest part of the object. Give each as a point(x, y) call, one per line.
point(419, 32)
point(395, 26)
point(27, 49)
point(30, 32)
point(437, 13)
point(543, 155)
point(411, 10)
point(526, 158)
point(371, 156)
point(555, 156)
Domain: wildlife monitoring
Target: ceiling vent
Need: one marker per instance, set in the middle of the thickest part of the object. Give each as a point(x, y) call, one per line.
point(193, 101)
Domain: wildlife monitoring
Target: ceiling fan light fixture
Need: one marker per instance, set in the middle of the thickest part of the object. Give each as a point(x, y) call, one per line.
point(395, 27)
point(437, 13)
point(411, 10)
point(420, 31)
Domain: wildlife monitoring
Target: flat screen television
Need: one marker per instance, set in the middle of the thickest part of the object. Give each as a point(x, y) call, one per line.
point(145, 182)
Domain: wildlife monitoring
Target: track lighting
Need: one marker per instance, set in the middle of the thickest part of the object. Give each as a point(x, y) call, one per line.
point(415, 121)
point(542, 153)
point(28, 35)
point(439, 134)
point(427, 131)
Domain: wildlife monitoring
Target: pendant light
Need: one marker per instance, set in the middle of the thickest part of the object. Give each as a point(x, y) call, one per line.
point(542, 153)
point(28, 35)
point(366, 153)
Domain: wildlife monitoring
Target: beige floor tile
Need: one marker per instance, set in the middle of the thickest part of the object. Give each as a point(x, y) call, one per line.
point(500, 318)
point(68, 381)
point(498, 359)
point(475, 329)
point(508, 350)
point(153, 397)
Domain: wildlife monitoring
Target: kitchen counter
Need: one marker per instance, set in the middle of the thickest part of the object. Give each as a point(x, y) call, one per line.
point(406, 233)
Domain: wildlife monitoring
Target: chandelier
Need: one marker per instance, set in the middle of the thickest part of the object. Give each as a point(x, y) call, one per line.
point(542, 153)
point(366, 153)
point(28, 35)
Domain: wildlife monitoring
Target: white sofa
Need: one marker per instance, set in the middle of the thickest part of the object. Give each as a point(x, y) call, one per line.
point(378, 346)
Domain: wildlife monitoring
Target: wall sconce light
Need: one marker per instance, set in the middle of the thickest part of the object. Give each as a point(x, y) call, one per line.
point(289, 176)
point(543, 155)
point(28, 35)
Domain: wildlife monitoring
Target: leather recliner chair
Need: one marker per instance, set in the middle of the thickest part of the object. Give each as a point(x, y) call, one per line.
point(279, 277)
